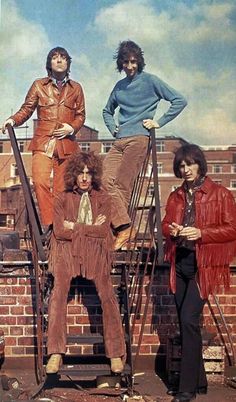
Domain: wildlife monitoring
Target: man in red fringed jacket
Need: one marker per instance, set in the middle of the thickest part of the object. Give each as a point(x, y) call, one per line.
point(200, 231)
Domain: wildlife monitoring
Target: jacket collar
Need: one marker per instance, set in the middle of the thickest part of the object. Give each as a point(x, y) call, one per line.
point(205, 187)
point(48, 80)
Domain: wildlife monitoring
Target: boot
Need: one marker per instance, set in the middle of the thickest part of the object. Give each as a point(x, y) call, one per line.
point(123, 237)
point(117, 365)
point(54, 363)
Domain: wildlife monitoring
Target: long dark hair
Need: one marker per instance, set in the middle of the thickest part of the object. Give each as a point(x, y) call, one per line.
point(125, 50)
point(190, 153)
point(75, 166)
point(62, 52)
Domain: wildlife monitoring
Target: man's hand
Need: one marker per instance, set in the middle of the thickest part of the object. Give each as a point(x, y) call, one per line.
point(148, 123)
point(175, 229)
point(191, 233)
point(68, 225)
point(63, 131)
point(100, 220)
point(8, 121)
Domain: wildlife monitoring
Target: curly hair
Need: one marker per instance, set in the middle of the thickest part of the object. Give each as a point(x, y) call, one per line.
point(125, 50)
point(63, 52)
point(75, 166)
point(190, 153)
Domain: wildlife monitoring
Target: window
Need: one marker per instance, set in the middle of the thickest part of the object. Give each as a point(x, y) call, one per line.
point(216, 169)
point(3, 220)
point(233, 168)
point(7, 221)
point(150, 190)
point(21, 146)
point(14, 170)
point(148, 170)
point(1, 147)
point(159, 168)
point(85, 146)
point(233, 183)
point(106, 146)
point(160, 146)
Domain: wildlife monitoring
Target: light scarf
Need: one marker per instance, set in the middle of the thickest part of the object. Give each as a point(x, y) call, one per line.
point(85, 210)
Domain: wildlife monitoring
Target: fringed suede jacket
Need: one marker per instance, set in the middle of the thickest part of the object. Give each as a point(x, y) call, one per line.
point(215, 215)
point(85, 250)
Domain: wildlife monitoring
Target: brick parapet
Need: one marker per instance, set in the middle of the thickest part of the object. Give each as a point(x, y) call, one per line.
point(17, 318)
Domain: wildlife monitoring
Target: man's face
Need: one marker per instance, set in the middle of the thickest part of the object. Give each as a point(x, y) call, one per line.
point(59, 63)
point(130, 66)
point(84, 179)
point(189, 172)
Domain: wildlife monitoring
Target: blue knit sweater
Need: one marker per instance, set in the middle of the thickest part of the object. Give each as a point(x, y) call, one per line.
point(137, 99)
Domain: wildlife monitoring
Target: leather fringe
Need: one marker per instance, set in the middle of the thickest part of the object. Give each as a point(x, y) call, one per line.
point(91, 256)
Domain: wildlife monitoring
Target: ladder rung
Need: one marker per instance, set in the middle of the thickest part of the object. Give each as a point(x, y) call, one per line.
point(90, 369)
point(86, 339)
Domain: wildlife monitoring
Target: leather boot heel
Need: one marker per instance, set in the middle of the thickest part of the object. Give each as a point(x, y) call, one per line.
point(184, 397)
point(202, 390)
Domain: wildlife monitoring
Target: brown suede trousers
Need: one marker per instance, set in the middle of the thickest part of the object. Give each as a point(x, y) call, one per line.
point(84, 251)
point(112, 327)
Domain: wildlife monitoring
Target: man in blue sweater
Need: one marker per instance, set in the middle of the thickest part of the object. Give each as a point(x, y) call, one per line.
point(137, 97)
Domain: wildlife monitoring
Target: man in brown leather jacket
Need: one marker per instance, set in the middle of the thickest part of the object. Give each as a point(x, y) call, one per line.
point(61, 113)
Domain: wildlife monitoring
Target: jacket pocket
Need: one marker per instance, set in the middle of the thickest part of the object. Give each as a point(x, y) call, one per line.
point(46, 102)
point(70, 103)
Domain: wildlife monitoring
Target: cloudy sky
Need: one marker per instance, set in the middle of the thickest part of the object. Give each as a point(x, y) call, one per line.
point(190, 44)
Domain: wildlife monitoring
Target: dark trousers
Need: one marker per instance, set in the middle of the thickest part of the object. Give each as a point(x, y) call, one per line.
point(189, 307)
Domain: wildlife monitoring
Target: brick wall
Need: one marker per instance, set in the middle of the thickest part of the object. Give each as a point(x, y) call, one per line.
point(17, 319)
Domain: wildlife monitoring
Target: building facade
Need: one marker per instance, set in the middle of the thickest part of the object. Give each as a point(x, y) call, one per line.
point(17, 299)
point(221, 165)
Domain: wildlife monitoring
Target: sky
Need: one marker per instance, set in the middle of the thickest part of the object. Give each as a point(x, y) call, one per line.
point(190, 44)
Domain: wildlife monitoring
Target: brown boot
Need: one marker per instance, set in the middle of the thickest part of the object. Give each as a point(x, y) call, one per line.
point(124, 237)
point(54, 363)
point(117, 365)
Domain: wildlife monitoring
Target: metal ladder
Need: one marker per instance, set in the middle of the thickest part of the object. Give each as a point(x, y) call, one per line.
point(132, 265)
point(39, 262)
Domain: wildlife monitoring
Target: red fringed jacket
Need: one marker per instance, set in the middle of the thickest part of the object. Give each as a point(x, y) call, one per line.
point(216, 217)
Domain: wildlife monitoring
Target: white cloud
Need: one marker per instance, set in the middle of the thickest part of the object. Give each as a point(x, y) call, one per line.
point(189, 47)
point(23, 50)
point(129, 19)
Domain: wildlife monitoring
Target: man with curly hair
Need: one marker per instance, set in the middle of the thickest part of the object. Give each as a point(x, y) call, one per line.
point(137, 96)
point(81, 246)
point(61, 113)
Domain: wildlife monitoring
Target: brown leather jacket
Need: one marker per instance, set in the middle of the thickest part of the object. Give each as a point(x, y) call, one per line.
point(216, 217)
point(53, 108)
